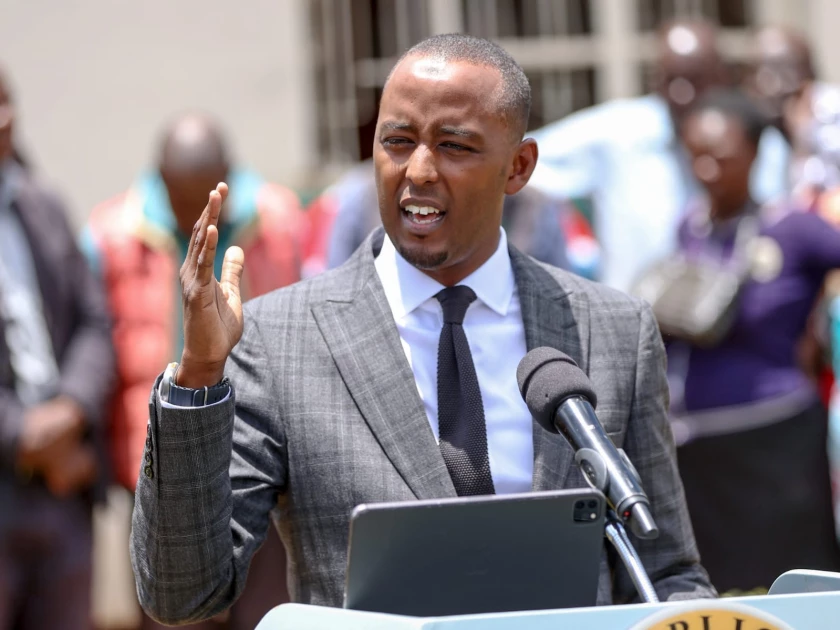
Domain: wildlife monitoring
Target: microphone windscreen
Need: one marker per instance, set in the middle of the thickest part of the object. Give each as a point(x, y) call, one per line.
point(546, 377)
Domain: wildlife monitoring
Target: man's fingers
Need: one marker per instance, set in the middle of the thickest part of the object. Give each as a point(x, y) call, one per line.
point(204, 266)
point(194, 248)
point(222, 189)
point(210, 216)
point(199, 235)
point(232, 269)
point(214, 209)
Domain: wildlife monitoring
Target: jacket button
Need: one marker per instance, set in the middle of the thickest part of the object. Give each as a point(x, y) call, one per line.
point(149, 429)
point(149, 472)
point(149, 459)
point(149, 443)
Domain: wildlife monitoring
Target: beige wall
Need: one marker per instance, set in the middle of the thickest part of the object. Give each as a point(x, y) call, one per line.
point(823, 21)
point(96, 78)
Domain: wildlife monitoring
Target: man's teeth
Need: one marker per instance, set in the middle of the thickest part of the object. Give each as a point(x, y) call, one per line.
point(422, 210)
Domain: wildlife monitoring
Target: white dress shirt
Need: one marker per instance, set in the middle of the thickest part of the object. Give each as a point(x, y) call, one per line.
point(496, 334)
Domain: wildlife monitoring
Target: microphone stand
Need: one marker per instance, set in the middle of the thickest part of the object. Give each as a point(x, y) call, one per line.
point(614, 532)
point(595, 472)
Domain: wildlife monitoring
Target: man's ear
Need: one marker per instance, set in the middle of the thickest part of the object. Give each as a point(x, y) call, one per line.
point(524, 162)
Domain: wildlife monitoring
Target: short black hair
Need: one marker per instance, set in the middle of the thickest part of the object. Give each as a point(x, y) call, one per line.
point(735, 103)
point(515, 95)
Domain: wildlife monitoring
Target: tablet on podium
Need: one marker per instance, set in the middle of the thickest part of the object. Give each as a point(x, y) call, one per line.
point(469, 555)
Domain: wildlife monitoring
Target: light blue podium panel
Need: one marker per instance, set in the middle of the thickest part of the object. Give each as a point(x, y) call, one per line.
point(805, 581)
point(800, 611)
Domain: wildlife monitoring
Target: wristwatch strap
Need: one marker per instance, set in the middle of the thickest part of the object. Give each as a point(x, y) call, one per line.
point(186, 397)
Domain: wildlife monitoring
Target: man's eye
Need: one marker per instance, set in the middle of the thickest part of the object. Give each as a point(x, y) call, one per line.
point(396, 141)
point(454, 146)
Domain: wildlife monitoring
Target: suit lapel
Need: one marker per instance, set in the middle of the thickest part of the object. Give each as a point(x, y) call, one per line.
point(365, 345)
point(557, 318)
point(46, 247)
point(360, 331)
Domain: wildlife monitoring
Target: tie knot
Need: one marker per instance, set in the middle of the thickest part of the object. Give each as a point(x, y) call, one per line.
point(454, 301)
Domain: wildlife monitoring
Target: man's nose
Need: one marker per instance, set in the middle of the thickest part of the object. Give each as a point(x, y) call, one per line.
point(422, 168)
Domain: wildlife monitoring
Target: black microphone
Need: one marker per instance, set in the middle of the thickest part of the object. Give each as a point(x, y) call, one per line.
point(560, 397)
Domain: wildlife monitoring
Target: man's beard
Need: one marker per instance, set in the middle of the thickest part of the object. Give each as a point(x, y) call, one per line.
point(421, 258)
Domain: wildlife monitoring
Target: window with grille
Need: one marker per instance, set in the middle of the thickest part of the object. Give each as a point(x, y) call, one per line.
point(561, 45)
point(727, 13)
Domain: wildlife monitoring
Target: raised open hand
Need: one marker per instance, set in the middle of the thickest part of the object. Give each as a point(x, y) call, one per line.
point(212, 308)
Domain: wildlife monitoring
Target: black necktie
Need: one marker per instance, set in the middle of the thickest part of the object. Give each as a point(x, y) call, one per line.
point(463, 435)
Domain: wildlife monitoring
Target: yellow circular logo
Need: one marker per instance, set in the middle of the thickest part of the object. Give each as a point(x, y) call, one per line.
point(703, 616)
point(766, 258)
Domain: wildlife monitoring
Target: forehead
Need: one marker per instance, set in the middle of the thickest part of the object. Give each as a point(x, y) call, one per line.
point(428, 91)
point(714, 128)
point(773, 44)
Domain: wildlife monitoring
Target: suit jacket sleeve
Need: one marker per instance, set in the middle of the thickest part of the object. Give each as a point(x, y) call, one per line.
point(88, 366)
point(671, 560)
point(203, 504)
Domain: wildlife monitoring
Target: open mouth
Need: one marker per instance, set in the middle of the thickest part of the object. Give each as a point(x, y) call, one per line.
point(423, 215)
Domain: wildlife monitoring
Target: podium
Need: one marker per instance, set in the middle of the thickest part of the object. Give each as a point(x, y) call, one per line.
point(801, 600)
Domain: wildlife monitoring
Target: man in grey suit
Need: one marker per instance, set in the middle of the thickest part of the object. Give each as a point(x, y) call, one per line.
point(324, 395)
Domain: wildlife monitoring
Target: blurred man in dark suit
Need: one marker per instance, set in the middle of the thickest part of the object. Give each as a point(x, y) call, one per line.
point(56, 369)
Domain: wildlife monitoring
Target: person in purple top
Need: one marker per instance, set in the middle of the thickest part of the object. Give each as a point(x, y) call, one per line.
point(748, 421)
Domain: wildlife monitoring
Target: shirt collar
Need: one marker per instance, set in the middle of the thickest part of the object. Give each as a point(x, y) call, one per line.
point(406, 287)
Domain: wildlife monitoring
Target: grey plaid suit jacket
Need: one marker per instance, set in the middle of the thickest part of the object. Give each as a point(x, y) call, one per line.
point(327, 416)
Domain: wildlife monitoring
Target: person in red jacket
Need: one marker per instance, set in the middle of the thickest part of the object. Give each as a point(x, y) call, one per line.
point(135, 242)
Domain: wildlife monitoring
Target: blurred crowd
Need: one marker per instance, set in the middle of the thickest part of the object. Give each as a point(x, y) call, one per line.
point(715, 197)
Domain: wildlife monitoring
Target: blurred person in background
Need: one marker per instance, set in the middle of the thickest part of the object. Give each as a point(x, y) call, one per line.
point(532, 220)
point(327, 245)
point(135, 242)
point(749, 424)
point(56, 374)
point(807, 111)
point(627, 156)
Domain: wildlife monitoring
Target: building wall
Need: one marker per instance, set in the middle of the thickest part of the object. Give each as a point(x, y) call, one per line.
point(95, 80)
point(822, 20)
